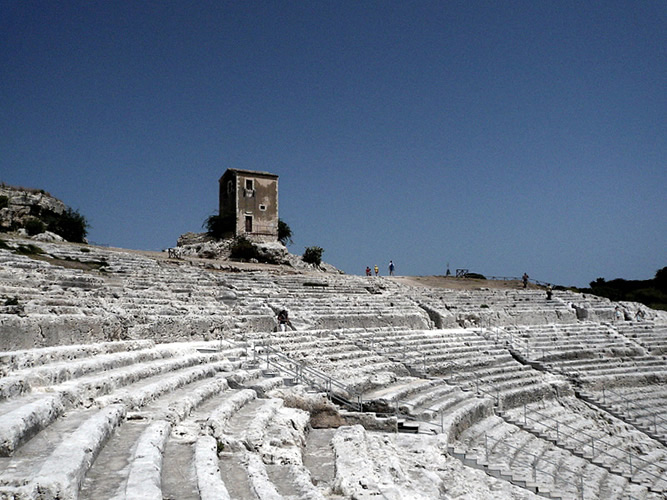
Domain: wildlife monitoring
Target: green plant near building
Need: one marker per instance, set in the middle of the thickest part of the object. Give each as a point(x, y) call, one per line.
point(243, 249)
point(219, 226)
point(284, 233)
point(313, 255)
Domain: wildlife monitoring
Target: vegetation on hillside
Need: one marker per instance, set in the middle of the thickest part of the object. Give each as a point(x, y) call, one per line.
point(652, 293)
point(71, 225)
point(219, 226)
point(243, 249)
point(313, 255)
point(284, 233)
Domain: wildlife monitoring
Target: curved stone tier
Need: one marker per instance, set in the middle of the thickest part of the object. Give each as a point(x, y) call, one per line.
point(129, 375)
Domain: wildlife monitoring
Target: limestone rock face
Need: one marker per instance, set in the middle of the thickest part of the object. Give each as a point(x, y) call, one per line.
point(48, 236)
point(22, 204)
point(201, 245)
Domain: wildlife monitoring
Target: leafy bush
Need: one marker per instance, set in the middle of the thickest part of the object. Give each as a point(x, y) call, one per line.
point(313, 255)
point(244, 249)
point(284, 233)
point(34, 226)
point(28, 250)
point(217, 226)
point(12, 301)
point(71, 225)
point(4, 201)
point(652, 293)
point(475, 276)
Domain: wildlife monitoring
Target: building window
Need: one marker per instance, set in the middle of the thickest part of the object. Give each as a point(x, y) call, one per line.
point(248, 223)
point(249, 191)
point(230, 187)
point(262, 208)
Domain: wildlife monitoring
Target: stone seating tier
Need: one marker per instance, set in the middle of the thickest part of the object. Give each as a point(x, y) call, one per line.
point(163, 400)
point(583, 429)
point(514, 450)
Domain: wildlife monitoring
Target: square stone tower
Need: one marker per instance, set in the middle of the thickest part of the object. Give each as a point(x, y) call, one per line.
point(251, 199)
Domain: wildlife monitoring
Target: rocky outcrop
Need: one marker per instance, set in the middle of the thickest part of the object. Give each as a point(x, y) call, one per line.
point(18, 205)
point(203, 246)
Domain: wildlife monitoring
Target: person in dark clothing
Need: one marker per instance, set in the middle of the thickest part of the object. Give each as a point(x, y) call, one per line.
point(283, 320)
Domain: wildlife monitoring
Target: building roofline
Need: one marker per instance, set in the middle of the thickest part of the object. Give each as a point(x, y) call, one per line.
point(256, 173)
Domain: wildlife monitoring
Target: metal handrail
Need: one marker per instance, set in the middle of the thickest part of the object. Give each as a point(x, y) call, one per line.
point(592, 441)
point(301, 370)
point(313, 376)
point(626, 402)
point(533, 465)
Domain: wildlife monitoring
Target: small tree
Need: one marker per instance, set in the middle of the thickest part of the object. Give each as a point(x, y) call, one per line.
point(71, 225)
point(313, 255)
point(34, 226)
point(217, 226)
point(284, 233)
point(244, 249)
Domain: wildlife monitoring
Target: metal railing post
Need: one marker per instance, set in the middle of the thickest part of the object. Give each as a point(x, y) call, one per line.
point(524, 415)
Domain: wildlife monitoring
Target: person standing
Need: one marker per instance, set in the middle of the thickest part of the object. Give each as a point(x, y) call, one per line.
point(525, 280)
point(377, 270)
point(391, 268)
point(283, 320)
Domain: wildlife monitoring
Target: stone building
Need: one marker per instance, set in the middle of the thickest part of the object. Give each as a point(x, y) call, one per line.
point(249, 200)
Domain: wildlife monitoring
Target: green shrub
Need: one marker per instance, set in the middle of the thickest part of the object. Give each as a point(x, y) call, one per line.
point(4, 245)
point(218, 226)
point(29, 250)
point(34, 226)
point(12, 301)
point(313, 255)
point(71, 225)
point(284, 233)
point(244, 249)
point(4, 201)
point(475, 276)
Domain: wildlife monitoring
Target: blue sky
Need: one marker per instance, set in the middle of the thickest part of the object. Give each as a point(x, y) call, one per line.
point(498, 136)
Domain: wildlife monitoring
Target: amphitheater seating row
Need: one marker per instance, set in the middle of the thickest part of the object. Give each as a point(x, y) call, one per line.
point(507, 450)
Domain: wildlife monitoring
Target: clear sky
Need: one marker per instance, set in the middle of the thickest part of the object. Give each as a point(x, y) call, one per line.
point(498, 136)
